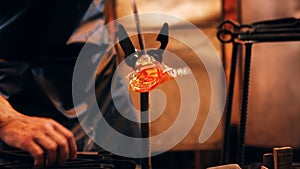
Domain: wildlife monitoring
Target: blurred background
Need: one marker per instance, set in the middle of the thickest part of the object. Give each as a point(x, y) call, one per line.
point(274, 95)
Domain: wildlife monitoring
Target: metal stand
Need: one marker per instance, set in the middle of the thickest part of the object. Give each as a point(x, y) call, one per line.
point(287, 29)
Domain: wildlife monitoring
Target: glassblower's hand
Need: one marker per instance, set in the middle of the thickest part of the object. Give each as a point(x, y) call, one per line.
point(40, 137)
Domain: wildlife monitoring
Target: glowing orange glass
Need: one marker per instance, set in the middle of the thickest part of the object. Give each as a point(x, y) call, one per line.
point(149, 73)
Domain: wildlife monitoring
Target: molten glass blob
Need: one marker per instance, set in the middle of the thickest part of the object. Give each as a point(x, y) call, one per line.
point(149, 73)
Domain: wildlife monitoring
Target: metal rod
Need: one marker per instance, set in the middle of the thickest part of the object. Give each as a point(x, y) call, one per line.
point(138, 26)
point(144, 98)
point(244, 109)
point(230, 93)
point(145, 128)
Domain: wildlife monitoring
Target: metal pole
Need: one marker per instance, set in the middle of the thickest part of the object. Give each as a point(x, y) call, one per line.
point(145, 128)
point(144, 99)
point(228, 110)
point(244, 109)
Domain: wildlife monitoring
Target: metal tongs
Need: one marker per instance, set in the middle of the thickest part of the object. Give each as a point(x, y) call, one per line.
point(132, 54)
point(285, 29)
